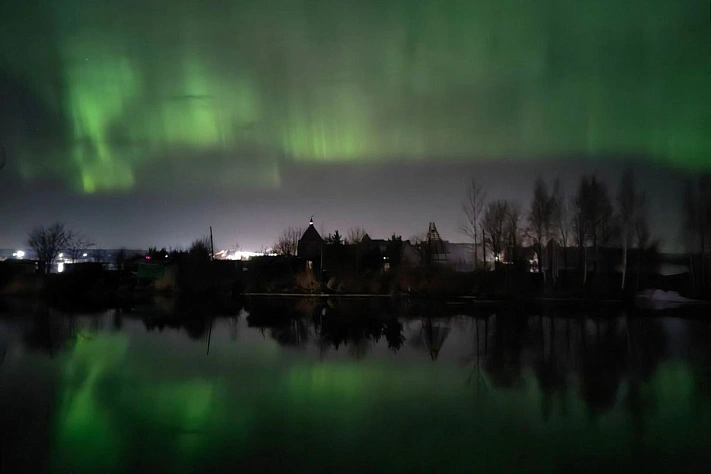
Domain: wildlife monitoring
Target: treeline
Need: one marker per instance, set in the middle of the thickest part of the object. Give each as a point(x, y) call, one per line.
point(591, 218)
point(696, 227)
point(518, 249)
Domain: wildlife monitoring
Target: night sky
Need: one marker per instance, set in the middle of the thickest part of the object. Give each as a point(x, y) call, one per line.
point(144, 122)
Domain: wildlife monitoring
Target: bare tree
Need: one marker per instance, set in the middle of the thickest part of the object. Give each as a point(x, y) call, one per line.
point(200, 249)
point(494, 223)
point(592, 219)
point(697, 221)
point(600, 212)
point(580, 223)
point(288, 242)
point(641, 230)
point(473, 207)
point(539, 219)
point(559, 223)
point(77, 244)
point(355, 235)
point(513, 229)
point(47, 243)
point(626, 204)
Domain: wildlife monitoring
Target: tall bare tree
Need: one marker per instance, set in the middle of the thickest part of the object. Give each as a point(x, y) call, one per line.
point(697, 222)
point(592, 219)
point(559, 229)
point(288, 242)
point(580, 222)
point(473, 207)
point(539, 219)
point(704, 225)
point(641, 230)
point(355, 235)
point(47, 242)
point(690, 224)
point(77, 244)
point(600, 212)
point(626, 207)
point(513, 228)
point(494, 224)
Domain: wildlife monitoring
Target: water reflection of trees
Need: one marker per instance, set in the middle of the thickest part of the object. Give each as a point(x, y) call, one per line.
point(355, 325)
point(503, 363)
point(603, 358)
point(195, 318)
point(48, 330)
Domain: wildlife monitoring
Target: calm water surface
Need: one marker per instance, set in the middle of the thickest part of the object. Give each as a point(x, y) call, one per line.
point(353, 386)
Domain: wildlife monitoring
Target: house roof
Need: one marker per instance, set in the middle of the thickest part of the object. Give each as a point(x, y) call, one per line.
point(311, 235)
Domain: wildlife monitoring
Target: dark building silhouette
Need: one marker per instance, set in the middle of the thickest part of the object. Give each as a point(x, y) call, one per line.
point(310, 246)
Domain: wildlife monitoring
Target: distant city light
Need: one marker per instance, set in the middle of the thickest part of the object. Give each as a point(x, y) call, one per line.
point(61, 255)
point(237, 255)
point(60, 267)
point(84, 255)
point(19, 254)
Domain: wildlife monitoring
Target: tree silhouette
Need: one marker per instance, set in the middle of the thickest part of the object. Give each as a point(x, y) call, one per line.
point(626, 205)
point(592, 220)
point(47, 243)
point(355, 235)
point(288, 242)
point(199, 249)
point(495, 221)
point(560, 222)
point(513, 230)
point(540, 219)
point(334, 239)
point(473, 207)
point(77, 243)
point(641, 231)
point(697, 221)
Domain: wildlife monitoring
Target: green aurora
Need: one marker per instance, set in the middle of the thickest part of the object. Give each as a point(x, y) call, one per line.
point(136, 402)
point(120, 89)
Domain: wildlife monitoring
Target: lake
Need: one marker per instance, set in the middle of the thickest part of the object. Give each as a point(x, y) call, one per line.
point(291, 385)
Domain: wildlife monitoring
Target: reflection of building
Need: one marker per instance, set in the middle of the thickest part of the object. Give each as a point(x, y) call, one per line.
point(433, 336)
point(310, 246)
